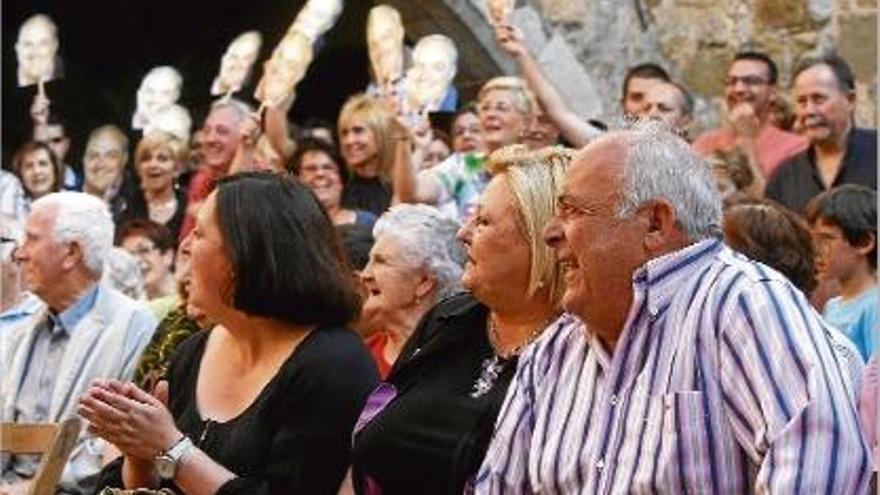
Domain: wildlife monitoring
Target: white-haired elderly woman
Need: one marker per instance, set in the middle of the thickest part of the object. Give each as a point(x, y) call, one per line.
point(426, 428)
point(415, 262)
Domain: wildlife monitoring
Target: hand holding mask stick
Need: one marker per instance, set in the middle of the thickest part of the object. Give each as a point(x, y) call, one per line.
point(385, 43)
point(236, 64)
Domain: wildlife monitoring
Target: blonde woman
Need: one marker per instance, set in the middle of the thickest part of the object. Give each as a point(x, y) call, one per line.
point(449, 380)
point(364, 145)
point(158, 161)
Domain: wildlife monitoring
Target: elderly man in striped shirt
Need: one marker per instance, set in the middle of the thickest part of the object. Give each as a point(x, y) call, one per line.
point(682, 367)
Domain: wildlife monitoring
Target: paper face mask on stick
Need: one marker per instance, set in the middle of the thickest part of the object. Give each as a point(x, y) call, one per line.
point(159, 90)
point(435, 61)
point(236, 64)
point(174, 120)
point(316, 18)
point(499, 10)
point(36, 50)
point(285, 69)
point(385, 43)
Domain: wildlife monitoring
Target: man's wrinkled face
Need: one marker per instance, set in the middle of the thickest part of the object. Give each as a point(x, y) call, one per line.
point(823, 108)
point(665, 103)
point(432, 72)
point(159, 90)
point(238, 60)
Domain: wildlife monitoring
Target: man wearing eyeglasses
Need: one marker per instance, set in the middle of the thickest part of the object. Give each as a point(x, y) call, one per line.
point(16, 305)
point(49, 129)
point(749, 93)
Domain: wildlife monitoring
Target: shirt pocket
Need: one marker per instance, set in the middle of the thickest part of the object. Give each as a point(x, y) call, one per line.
point(685, 440)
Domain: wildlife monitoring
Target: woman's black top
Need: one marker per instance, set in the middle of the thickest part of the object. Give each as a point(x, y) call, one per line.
point(432, 437)
point(136, 207)
point(367, 193)
point(296, 436)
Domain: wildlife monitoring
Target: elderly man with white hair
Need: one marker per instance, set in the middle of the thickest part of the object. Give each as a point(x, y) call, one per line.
point(682, 367)
point(87, 330)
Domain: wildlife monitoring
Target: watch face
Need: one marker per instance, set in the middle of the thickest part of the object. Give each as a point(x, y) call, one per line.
point(165, 467)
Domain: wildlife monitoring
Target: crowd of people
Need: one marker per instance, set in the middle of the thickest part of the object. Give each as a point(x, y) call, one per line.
point(509, 299)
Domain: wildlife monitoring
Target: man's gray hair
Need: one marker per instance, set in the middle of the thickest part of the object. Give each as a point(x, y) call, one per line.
point(122, 271)
point(242, 110)
point(427, 239)
point(659, 164)
point(84, 219)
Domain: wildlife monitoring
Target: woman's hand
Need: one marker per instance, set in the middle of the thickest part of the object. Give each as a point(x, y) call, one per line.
point(136, 422)
point(510, 39)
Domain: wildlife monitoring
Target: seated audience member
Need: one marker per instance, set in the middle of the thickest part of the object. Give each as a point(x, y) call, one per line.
point(38, 169)
point(264, 402)
point(122, 271)
point(49, 129)
point(839, 153)
point(153, 246)
point(220, 139)
point(749, 93)
point(364, 143)
point(105, 169)
point(415, 262)
point(317, 165)
point(775, 236)
point(87, 330)
point(17, 305)
point(571, 126)
point(467, 132)
point(689, 368)
point(426, 428)
point(844, 226)
point(438, 149)
point(505, 108)
point(738, 178)
point(158, 161)
point(12, 199)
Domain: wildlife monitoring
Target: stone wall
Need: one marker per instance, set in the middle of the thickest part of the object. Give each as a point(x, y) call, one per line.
point(586, 45)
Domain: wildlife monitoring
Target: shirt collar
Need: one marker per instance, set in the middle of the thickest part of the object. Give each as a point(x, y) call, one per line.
point(661, 278)
point(68, 318)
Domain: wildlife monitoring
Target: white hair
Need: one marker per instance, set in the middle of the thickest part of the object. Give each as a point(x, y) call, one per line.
point(659, 164)
point(427, 239)
point(443, 42)
point(242, 110)
point(122, 271)
point(84, 219)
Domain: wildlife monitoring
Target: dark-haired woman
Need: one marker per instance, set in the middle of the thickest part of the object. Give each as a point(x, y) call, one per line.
point(266, 401)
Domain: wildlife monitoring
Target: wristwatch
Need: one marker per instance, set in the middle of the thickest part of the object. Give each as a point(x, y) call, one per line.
point(167, 462)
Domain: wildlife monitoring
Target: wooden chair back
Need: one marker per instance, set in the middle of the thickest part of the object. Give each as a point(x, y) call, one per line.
point(53, 440)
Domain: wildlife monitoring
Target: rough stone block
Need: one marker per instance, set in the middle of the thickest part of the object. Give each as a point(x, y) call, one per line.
point(858, 44)
point(568, 11)
point(789, 14)
point(568, 75)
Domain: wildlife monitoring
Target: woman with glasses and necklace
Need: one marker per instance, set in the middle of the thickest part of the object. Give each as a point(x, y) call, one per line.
point(426, 428)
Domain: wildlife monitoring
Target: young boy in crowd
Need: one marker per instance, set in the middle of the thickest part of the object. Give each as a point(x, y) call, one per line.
point(843, 222)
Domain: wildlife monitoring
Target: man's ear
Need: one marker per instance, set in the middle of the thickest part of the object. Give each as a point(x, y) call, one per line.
point(661, 223)
point(73, 256)
point(865, 247)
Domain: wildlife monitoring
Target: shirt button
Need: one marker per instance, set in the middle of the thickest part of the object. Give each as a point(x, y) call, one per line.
point(600, 465)
point(613, 400)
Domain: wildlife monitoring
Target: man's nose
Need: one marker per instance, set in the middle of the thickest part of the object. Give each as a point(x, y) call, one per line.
point(552, 233)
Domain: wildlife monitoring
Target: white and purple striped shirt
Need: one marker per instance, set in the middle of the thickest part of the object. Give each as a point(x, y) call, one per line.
point(723, 381)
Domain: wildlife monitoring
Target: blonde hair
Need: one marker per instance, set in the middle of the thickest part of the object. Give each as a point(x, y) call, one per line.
point(370, 110)
point(535, 179)
point(158, 140)
point(523, 99)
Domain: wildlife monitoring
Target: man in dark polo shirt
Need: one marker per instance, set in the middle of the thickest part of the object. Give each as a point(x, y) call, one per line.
point(839, 153)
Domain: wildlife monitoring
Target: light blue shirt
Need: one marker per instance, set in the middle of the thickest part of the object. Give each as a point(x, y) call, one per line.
point(27, 307)
point(856, 318)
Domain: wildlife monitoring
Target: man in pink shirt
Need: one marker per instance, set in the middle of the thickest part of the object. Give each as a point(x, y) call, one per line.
point(749, 92)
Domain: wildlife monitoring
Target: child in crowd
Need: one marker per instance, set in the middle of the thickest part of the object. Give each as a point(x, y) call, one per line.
point(843, 222)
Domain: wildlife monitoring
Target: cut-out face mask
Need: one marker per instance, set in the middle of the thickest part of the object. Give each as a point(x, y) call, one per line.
point(499, 10)
point(36, 50)
point(385, 43)
point(316, 17)
point(159, 90)
point(236, 64)
point(174, 120)
point(434, 66)
point(285, 69)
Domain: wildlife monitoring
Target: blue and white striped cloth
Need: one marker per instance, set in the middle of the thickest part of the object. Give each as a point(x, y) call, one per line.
point(723, 381)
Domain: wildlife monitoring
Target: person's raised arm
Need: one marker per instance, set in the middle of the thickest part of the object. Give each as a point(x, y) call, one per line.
point(277, 129)
point(249, 131)
point(411, 186)
point(576, 130)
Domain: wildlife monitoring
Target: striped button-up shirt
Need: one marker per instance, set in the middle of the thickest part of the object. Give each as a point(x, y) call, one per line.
point(723, 380)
